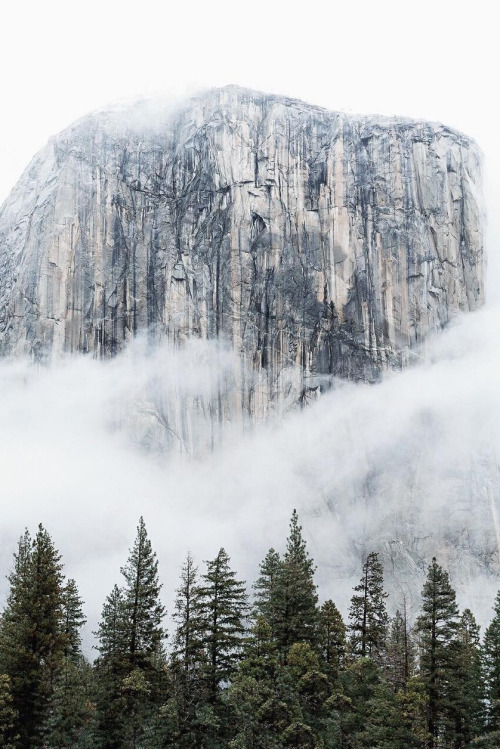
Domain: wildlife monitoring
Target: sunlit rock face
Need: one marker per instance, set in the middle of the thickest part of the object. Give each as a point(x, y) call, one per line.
point(315, 243)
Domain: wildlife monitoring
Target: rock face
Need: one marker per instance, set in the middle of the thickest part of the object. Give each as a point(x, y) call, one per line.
point(314, 242)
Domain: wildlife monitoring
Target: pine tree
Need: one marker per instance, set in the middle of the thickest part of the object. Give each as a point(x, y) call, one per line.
point(491, 655)
point(332, 639)
point(465, 689)
point(142, 608)
point(413, 706)
point(294, 598)
point(265, 584)
point(310, 685)
point(70, 722)
point(73, 620)
point(131, 670)
point(372, 715)
point(112, 631)
point(437, 629)
point(222, 605)
point(368, 613)
point(257, 706)
point(32, 638)
point(8, 716)
point(187, 658)
point(70, 719)
point(187, 650)
point(400, 655)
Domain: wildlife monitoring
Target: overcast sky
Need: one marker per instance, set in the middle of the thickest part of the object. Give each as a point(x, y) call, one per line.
point(432, 59)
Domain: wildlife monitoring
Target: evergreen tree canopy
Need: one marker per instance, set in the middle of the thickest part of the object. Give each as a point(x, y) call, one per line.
point(466, 688)
point(400, 656)
point(368, 614)
point(187, 649)
point(491, 655)
point(130, 641)
point(294, 600)
point(222, 604)
point(332, 638)
point(74, 619)
point(187, 659)
point(264, 586)
point(111, 632)
point(142, 608)
point(8, 716)
point(437, 629)
point(32, 636)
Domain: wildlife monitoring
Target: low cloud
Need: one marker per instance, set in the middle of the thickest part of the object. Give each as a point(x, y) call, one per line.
point(408, 467)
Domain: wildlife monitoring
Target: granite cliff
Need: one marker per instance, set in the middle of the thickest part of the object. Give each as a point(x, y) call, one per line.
point(315, 243)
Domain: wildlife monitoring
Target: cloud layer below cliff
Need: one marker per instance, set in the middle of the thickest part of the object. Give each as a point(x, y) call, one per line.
point(408, 467)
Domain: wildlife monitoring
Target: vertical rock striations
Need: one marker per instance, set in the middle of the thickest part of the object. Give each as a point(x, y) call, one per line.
point(314, 242)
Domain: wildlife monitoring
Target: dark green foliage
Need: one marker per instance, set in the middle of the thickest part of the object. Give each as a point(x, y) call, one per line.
point(368, 613)
point(271, 700)
point(264, 586)
point(491, 656)
point(187, 652)
point(131, 669)
point(141, 604)
point(73, 621)
point(255, 697)
point(332, 639)
point(400, 652)
point(32, 637)
point(437, 629)
point(111, 632)
point(70, 723)
point(466, 690)
point(294, 614)
point(413, 708)
point(221, 606)
point(370, 715)
point(187, 661)
point(226, 686)
point(70, 720)
point(8, 715)
point(299, 736)
point(310, 685)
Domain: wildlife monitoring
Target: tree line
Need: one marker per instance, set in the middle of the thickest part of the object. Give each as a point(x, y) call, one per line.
point(276, 669)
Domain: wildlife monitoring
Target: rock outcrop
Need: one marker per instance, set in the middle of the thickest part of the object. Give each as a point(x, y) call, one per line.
point(314, 242)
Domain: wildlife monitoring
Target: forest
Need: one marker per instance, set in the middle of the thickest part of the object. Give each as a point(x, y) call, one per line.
point(272, 669)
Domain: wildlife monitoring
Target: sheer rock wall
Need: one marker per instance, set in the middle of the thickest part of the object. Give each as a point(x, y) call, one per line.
point(315, 243)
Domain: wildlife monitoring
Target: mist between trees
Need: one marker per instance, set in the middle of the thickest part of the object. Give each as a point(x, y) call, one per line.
point(266, 666)
point(407, 467)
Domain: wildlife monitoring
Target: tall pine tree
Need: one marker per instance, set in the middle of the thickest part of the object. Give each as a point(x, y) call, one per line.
point(32, 637)
point(368, 614)
point(141, 601)
point(332, 639)
point(437, 628)
point(187, 660)
point(264, 586)
point(491, 656)
point(400, 654)
point(222, 605)
point(294, 598)
point(466, 689)
point(70, 719)
point(131, 669)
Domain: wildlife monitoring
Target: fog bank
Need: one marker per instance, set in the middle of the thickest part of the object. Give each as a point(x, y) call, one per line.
point(407, 467)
